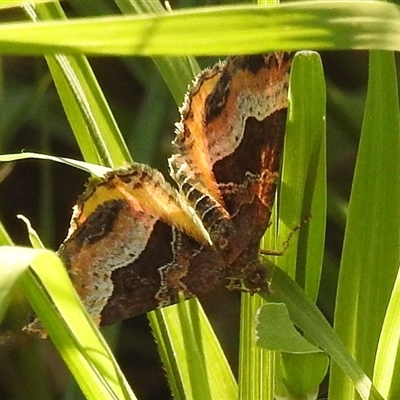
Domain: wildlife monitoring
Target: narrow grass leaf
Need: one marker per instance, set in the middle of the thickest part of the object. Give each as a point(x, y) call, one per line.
point(84, 103)
point(9, 274)
point(371, 248)
point(19, 3)
point(302, 199)
point(305, 315)
point(239, 29)
point(177, 72)
point(5, 239)
point(81, 346)
point(387, 363)
point(33, 236)
point(94, 169)
point(256, 365)
point(187, 346)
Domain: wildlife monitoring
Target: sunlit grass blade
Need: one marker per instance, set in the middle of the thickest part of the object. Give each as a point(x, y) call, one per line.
point(9, 275)
point(312, 25)
point(302, 201)
point(305, 315)
point(19, 3)
point(256, 365)
point(93, 169)
point(387, 362)
point(371, 248)
point(194, 361)
point(80, 345)
point(88, 113)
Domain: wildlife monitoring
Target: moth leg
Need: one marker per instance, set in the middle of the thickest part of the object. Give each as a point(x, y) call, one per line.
point(286, 243)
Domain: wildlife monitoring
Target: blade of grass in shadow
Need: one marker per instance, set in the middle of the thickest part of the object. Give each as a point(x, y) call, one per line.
point(312, 25)
point(89, 115)
point(371, 248)
point(5, 239)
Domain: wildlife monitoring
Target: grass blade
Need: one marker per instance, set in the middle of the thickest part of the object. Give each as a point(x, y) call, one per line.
point(80, 345)
point(312, 25)
point(188, 346)
point(89, 115)
point(371, 248)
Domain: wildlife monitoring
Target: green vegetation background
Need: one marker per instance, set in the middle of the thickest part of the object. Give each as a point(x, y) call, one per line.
point(32, 118)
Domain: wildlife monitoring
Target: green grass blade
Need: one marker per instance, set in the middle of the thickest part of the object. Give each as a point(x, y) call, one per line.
point(305, 314)
point(387, 363)
point(9, 275)
point(371, 248)
point(313, 25)
point(192, 356)
point(303, 191)
point(5, 239)
point(80, 345)
point(303, 196)
point(19, 3)
point(88, 113)
point(256, 365)
point(94, 169)
point(176, 71)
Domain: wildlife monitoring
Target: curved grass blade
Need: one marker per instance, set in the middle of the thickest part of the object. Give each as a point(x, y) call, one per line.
point(94, 169)
point(80, 345)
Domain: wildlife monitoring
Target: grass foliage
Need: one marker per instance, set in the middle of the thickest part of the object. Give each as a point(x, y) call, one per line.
point(361, 350)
